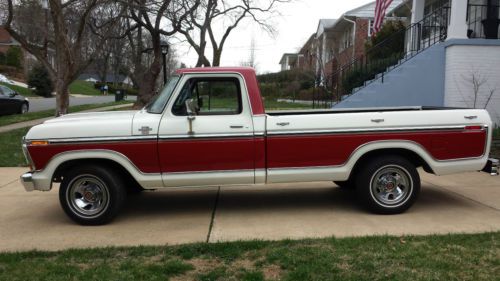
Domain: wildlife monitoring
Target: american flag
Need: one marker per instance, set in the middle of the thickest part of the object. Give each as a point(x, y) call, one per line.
point(380, 8)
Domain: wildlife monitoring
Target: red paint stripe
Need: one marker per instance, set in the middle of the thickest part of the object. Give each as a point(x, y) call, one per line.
point(142, 153)
point(329, 150)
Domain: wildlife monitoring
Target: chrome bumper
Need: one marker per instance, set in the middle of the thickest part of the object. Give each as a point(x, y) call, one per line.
point(491, 167)
point(27, 181)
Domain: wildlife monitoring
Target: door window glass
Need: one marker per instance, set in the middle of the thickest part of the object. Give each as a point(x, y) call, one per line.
point(212, 96)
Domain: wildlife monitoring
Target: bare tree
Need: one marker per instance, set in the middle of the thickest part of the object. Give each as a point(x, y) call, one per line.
point(477, 81)
point(224, 15)
point(62, 46)
point(156, 21)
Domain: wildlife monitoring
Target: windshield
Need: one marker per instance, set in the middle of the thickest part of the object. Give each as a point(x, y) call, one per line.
point(160, 100)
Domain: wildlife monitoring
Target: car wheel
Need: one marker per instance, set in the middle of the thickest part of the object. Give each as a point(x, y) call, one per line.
point(24, 108)
point(91, 195)
point(388, 185)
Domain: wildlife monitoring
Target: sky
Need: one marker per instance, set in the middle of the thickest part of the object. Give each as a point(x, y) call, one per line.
point(298, 20)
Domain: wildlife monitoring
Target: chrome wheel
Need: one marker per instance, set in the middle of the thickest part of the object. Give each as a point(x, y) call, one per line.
point(88, 196)
point(24, 108)
point(391, 185)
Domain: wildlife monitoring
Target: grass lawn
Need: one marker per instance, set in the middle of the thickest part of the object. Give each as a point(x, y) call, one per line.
point(22, 91)
point(10, 119)
point(83, 88)
point(445, 257)
point(12, 153)
point(275, 105)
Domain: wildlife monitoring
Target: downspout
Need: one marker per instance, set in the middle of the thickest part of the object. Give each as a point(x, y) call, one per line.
point(353, 36)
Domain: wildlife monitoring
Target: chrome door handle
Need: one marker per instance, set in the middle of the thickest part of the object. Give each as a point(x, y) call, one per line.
point(377, 120)
point(470, 117)
point(283, 124)
point(236, 126)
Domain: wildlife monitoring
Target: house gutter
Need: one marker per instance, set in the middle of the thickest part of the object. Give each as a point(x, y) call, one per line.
point(353, 36)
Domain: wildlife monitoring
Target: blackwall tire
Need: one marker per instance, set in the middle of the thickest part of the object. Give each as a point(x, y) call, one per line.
point(388, 185)
point(91, 195)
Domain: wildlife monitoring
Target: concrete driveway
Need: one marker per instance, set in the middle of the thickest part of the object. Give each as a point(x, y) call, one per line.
point(465, 203)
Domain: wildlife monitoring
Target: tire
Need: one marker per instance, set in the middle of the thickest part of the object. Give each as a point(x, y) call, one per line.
point(91, 195)
point(388, 185)
point(348, 184)
point(24, 108)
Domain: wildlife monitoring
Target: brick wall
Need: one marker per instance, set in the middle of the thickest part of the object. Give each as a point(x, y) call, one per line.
point(462, 61)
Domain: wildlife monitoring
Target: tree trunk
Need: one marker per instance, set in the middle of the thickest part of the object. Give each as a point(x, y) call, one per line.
point(62, 97)
point(147, 84)
point(217, 56)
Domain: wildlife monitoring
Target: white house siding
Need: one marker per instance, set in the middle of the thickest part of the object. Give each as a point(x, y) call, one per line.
point(464, 61)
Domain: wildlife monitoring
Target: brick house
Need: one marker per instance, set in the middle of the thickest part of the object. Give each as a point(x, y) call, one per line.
point(6, 41)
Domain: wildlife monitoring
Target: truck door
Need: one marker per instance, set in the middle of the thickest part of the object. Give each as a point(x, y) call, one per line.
point(210, 141)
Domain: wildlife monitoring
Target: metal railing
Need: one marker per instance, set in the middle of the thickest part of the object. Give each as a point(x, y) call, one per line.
point(387, 55)
point(477, 17)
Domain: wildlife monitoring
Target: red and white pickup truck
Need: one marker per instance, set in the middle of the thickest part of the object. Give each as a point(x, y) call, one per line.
point(208, 127)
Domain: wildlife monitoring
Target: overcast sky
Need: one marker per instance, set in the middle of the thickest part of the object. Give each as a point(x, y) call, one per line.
point(298, 21)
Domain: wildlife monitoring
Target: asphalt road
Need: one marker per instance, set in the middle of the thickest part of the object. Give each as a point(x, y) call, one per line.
point(463, 203)
point(40, 104)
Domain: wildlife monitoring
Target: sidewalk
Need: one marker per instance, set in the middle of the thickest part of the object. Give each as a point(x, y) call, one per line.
point(32, 123)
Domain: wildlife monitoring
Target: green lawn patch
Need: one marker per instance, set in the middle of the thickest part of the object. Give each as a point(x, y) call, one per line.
point(281, 105)
point(12, 153)
point(436, 257)
point(81, 87)
point(21, 90)
point(11, 119)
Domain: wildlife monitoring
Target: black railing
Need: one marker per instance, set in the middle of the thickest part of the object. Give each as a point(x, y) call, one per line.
point(483, 21)
point(388, 54)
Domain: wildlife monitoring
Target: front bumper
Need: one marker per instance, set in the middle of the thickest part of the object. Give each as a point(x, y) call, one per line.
point(492, 166)
point(27, 181)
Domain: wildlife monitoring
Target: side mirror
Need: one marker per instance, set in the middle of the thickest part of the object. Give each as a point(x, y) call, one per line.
point(190, 107)
point(13, 94)
point(191, 111)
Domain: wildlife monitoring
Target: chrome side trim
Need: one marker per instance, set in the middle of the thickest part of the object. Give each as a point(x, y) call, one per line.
point(26, 154)
point(195, 136)
point(340, 131)
point(102, 139)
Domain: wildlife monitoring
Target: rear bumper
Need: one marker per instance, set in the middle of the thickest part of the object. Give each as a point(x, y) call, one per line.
point(491, 167)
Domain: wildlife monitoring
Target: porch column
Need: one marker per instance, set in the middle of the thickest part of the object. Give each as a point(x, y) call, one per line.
point(457, 28)
point(417, 11)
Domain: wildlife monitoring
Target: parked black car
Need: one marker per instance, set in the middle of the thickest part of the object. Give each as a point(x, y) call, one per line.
point(11, 102)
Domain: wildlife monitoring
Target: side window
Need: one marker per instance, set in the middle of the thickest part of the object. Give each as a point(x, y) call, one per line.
point(213, 96)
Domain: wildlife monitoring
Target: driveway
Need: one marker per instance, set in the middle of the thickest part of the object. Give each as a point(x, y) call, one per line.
point(40, 104)
point(465, 203)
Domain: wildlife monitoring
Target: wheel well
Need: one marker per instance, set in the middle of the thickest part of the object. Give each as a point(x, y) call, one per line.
point(409, 155)
point(63, 168)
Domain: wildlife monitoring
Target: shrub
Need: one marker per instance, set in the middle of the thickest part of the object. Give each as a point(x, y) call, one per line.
point(13, 57)
point(39, 79)
point(2, 58)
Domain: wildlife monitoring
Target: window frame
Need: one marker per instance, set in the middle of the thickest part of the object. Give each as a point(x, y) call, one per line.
point(195, 80)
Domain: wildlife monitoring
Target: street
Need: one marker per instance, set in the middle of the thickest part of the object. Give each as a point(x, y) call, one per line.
point(462, 203)
point(40, 104)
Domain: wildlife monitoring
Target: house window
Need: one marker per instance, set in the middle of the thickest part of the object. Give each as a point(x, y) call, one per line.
point(370, 28)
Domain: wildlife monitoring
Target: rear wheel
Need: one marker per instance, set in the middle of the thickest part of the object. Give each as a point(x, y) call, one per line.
point(24, 108)
point(388, 185)
point(91, 195)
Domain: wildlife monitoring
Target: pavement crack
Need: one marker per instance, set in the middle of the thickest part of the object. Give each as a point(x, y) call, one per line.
point(9, 183)
point(214, 210)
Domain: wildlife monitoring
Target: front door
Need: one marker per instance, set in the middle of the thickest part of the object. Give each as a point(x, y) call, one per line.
point(218, 146)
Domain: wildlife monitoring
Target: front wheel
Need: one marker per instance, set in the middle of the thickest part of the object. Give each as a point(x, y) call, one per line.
point(388, 185)
point(24, 108)
point(91, 195)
